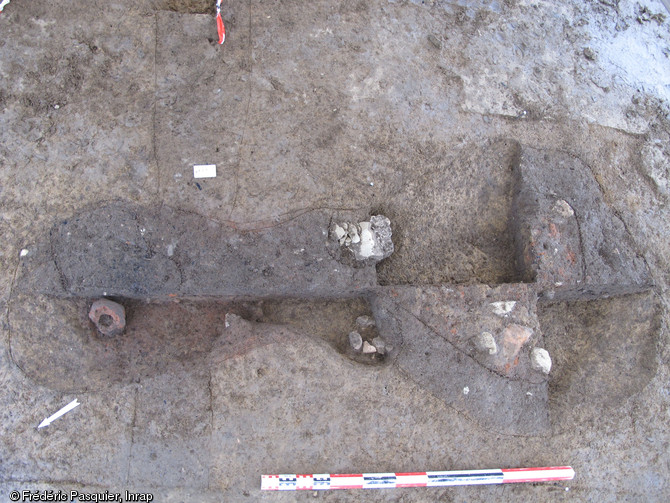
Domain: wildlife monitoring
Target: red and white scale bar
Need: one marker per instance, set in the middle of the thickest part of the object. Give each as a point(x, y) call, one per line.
point(326, 481)
point(220, 28)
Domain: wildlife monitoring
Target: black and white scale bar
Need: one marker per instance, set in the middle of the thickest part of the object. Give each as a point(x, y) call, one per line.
point(327, 481)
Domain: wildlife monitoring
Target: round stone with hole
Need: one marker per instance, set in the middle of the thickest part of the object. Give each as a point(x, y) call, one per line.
point(109, 317)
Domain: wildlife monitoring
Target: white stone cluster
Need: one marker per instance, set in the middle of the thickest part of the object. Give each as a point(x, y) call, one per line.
point(366, 240)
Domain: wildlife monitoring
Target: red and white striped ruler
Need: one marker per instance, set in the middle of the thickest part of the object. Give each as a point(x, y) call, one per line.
point(325, 481)
point(220, 28)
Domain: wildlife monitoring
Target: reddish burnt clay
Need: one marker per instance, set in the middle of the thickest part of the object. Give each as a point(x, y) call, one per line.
point(109, 317)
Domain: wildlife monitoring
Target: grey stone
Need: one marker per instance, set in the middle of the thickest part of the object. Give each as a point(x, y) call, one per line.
point(656, 165)
point(355, 340)
point(486, 343)
point(381, 228)
point(380, 345)
point(365, 321)
point(435, 41)
point(232, 319)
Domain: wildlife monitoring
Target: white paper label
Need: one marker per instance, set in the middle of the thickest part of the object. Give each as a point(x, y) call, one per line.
point(204, 171)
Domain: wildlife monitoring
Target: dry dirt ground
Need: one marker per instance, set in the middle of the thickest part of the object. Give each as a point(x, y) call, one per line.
point(521, 151)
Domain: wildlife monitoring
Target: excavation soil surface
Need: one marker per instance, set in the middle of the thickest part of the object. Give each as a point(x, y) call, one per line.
point(452, 119)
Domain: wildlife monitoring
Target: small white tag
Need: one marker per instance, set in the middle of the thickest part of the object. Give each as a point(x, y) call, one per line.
point(204, 171)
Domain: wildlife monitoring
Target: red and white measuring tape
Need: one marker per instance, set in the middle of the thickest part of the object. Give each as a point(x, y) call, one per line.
point(219, 23)
point(326, 481)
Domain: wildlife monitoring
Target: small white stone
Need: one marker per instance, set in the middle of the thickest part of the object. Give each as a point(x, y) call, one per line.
point(466, 390)
point(563, 208)
point(503, 308)
point(540, 360)
point(23, 253)
point(486, 343)
point(367, 240)
point(339, 233)
point(368, 348)
point(355, 340)
point(353, 234)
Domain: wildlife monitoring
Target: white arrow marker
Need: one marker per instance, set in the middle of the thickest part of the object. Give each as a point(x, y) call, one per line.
point(58, 414)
